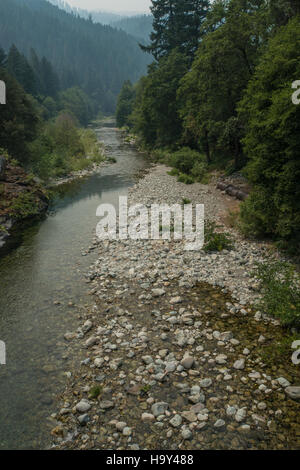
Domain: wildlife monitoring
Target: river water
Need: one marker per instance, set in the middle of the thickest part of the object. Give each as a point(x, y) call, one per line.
point(42, 289)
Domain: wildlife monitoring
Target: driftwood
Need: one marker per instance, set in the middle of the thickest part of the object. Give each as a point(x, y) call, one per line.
point(232, 190)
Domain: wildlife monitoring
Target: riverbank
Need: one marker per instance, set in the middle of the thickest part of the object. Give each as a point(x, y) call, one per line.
point(173, 354)
point(21, 199)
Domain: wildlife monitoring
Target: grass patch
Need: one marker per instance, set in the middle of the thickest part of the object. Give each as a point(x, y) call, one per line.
point(186, 201)
point(95, 391)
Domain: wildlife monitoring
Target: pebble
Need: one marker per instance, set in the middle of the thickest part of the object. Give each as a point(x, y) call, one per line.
point(83, 406)
point(239, 364)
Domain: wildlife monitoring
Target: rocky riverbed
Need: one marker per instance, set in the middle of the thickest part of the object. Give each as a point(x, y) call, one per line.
point(173, 354)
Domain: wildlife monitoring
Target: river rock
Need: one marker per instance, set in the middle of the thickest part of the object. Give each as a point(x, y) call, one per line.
point(83, 406)
point(176, 421)
point(187, 362)
point(159, 408)
point(239, 364)
point(283, 382)
point(158, 292)
point(148, 418)
point(293, 392)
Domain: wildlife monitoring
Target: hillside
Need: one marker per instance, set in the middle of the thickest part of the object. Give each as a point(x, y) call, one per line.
point(139, 26)
point(98, 58)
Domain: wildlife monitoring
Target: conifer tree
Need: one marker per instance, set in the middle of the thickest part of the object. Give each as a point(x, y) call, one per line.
point(177, 25)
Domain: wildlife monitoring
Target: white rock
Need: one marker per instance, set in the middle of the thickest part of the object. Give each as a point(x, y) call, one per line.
point(239, 364)
point(83, 406)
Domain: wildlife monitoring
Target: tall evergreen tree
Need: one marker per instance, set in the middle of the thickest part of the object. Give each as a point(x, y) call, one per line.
point(177, 25)
point(18, 119)
point(19, 68)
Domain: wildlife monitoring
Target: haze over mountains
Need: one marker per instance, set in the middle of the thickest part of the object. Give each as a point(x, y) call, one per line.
point(138, 25)
point(94, 56)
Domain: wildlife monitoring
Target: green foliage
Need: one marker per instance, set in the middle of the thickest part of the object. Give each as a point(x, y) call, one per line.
point(18, 119)
point(216, 241)
point(62, 148)
point(176, 24)
point(186, 179)
point(125, 104)
point(210, 91)
point(189, 164)
point(71, 51)
point(95, 391)
point(280, 285)
point(155, 115)
point(272, 141)
point(24, 206)
point(186, 201)
point(76, 102)
point(184, 159)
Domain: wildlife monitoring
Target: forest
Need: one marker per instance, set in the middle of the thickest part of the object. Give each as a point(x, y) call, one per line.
point(54, 91)
point(219, 95)
point(96, 57)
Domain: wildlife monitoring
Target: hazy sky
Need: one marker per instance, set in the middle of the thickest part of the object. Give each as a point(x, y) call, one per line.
point(112, 5)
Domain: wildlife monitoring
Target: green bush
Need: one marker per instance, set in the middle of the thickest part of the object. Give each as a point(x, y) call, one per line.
point(216, 241)
point(62, 148)
point(200, 172)
point(280, 285)
point(24, 206)
point(174, 172)
point(186, 179)
point(184, 159)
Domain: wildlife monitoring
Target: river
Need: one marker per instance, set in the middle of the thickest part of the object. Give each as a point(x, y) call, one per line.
point(42, 290)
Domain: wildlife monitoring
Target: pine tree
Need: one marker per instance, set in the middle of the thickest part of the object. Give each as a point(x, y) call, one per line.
point(19, 68)
point(177, 25)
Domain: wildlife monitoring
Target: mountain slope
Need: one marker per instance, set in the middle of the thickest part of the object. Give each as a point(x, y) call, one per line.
point(139, 26)
point(96, 57)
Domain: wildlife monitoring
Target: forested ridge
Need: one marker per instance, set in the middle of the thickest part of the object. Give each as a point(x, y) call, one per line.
point(219, 97)
point(96, 57)
point(137, 25)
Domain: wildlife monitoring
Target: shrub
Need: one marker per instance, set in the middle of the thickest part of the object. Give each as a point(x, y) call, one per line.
point(24, 206)
point(186, 179)
point(216, 241)
point(184, 159)
point(199, 171)
point(280, 285)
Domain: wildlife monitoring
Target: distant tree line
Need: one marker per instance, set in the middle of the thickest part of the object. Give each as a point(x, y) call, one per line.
point(220, 85)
